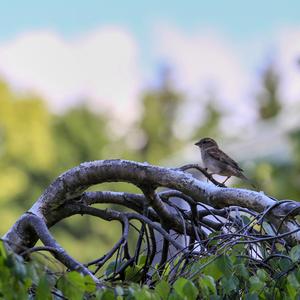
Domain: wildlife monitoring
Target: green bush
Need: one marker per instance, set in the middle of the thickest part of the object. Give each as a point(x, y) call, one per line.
point(230, 275)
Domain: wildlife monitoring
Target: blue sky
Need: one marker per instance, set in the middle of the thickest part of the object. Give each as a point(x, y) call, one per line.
point(238, 19)
point(108, 51)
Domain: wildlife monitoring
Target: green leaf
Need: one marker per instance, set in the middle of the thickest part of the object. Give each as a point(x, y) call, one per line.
point(224, 264)
point(143, 294)
point(292, 286)
point(256, 285)
point(89, 284)
point(175, 296)
point(238, 249)
point(262, 275)
point(167, 270)
point(33, 274)
point(245, 219)
point(179, 285)
point(215, 297)
point(108, 295)
point(219, 267)
point(251, 297)
point(229, 284)
point(190, 290)
point(113, 266)
point(76, 279)
point(295, 253)
point(212, 269)
point(142, 260)
point(268, 229)
point(297, 274)
point(207, 285)
point(17, 264)
point(43, 290)
point(293, 280)
point(80, 282)
point(284, 264)
point(70, 289)
point(185, 288)
point(110, 268)
point(163, 289)
point(133, 273)
point(2, 250)
point(279, 247)
point(119, 291)
point(241, 270)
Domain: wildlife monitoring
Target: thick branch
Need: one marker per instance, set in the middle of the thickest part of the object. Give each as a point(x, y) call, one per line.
point(71, 184)
point(39, 227)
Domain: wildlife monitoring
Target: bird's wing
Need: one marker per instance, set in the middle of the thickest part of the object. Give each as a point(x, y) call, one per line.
point(224, 158)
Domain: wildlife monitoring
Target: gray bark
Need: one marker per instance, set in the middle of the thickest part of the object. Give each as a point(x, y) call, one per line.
point(65, 197)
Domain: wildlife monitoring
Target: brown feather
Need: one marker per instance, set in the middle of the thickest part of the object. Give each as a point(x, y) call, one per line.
point(219, 155)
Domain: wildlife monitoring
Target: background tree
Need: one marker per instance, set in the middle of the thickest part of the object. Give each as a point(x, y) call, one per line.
point(269, 99)
point(159, 114)
point(210, 126)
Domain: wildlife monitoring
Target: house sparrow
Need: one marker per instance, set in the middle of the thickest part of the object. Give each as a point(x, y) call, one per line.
point(218, 162)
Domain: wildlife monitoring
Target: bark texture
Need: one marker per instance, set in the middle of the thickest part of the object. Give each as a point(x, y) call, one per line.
point(210, 207)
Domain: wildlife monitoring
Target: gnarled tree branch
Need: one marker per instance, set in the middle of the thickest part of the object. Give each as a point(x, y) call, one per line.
point(208, 208)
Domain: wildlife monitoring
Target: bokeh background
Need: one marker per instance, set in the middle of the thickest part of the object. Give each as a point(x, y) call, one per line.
point(86, 80)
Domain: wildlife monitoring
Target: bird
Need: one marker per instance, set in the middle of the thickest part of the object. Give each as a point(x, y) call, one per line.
point(218, 162)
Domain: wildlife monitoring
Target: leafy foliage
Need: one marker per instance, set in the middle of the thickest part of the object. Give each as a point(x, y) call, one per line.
point(229, 275)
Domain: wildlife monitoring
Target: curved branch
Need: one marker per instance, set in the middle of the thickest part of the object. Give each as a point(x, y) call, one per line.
point(36, 224)
point(65, 197)
point(72, 183)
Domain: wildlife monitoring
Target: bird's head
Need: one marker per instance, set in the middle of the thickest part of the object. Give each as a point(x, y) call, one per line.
point(206, 143)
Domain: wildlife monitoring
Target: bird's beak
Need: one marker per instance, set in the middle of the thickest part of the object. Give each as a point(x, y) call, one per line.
point(197, 144)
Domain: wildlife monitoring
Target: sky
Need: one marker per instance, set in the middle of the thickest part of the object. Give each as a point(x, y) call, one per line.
point(109, 51)
point(239, 19)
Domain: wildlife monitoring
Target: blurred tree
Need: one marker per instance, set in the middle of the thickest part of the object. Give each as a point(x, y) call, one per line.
point(278, 177)
point(26, 152)
point(211, 121)
point(269, 99)
point(26, 143)
point(160, 109)
point(35, 147)
point(79, 135)
point(293, 169)
point(295, 139)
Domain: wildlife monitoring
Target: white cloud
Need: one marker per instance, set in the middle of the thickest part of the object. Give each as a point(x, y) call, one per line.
point(205, 61)
point(104, 67)
point(288, 48)
point(101, 65)
point(201, 60)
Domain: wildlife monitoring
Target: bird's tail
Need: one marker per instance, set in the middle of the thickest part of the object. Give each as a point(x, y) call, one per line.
point(242, 176)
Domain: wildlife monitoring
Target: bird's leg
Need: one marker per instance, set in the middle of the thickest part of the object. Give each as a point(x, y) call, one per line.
point(226, 179)
point(209, 174)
